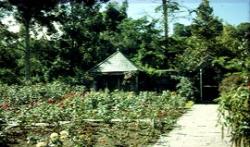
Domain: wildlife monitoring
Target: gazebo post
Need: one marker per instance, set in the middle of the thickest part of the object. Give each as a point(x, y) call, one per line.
point(119, 84)
point(106, 84)
point(94, 85)
point(137, 82)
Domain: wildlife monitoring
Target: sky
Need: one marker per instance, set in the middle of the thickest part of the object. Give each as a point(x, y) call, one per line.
point(229, 11)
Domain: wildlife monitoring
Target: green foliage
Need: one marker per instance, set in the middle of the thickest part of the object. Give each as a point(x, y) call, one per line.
point(230, 82)
point(229, 39)
point(180, 30)
point(44, 113)
point(234, 99)
point(36, 16)
point(78, 45)
point(8, 56)
point(203, 42)
point(205, 25)
point(202, 45)
point(26, 12)
point(2, 123)
point(104, 105)
point(243, 30)
point(185, 88)
point(114, 15)
point(140, 40)
point(15, 95)
point(234, 109)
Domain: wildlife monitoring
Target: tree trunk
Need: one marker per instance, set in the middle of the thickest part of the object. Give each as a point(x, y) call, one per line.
point(27, 50)
point(165, 18)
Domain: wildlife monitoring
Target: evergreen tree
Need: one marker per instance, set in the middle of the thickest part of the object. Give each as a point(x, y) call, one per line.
point(203, 44)
point(27, 11)
point(180, 30)
point(205, 25)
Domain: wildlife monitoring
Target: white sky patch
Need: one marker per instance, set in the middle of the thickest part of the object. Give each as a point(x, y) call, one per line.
point(41, 31)
point(13, 26)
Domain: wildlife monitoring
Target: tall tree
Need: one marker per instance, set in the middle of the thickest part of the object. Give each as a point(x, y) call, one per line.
point(205, 25)
point(236, 45)
point(79, 45)
point(169, 8)
point(165, 18)
point(8, 56)
point(203, 47)
point(205, 29)
point(27, 11)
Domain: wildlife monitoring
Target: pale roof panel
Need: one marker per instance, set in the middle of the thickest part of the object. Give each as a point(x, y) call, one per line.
point(117, 62)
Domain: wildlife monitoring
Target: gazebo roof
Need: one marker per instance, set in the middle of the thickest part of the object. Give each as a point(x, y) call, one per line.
point(115, 63)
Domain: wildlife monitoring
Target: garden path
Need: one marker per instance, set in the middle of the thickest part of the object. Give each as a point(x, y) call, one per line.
point(197, 128)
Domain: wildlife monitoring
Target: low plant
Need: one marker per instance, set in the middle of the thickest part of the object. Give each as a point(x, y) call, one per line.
point(16, 95)
point(185, 88)
point(2, 134)
point(234, 108)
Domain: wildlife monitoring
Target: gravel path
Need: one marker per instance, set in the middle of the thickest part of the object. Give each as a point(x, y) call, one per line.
point(196, 128)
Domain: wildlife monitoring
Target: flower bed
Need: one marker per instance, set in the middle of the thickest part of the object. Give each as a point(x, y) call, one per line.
point(119, 116)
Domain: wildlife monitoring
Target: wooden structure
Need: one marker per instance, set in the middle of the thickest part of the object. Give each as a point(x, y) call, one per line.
point(116, 72)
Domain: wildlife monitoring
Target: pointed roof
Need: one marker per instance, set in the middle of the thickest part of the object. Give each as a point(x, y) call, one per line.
point(116, 62)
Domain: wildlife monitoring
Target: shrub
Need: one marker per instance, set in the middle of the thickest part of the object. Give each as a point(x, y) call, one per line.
point(185, 88)
point(230, 82)
point(234, 108)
